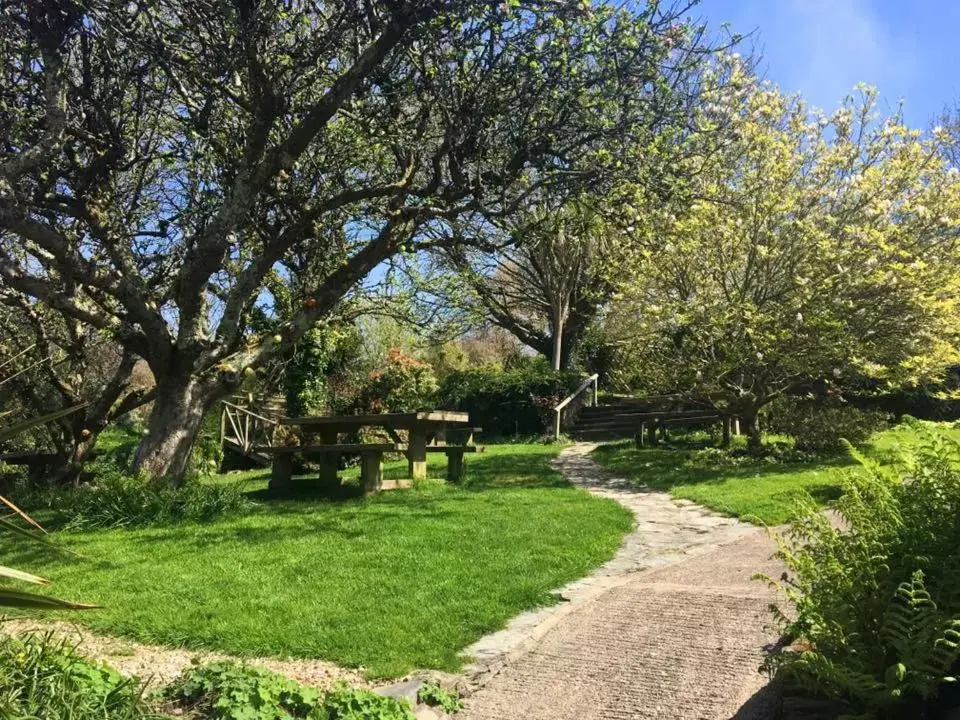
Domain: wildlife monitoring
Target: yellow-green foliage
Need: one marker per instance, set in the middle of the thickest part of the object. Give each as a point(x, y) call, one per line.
point(807, 246)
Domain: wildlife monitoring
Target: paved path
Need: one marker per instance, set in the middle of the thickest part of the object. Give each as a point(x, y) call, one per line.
point(672, 627)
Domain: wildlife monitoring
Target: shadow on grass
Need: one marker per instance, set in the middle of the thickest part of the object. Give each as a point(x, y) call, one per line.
point(309, 508)
point(484, 471)
point(663, 468)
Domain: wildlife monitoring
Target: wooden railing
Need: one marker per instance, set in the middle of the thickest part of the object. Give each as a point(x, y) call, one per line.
point(561, 406)
point(245, 428)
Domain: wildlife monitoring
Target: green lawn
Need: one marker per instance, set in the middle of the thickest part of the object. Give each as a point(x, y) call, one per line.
point(766, 492)
point(402, 580)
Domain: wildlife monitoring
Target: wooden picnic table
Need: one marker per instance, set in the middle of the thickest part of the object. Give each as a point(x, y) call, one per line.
point(425, 430)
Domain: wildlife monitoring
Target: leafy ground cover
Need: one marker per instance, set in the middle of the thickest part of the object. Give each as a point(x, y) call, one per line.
point(401, 580)
point(764, 490)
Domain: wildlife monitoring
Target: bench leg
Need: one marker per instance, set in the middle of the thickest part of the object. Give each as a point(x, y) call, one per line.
point(454, 466)
point(417, 454)
point(371, 472)
point(282, 472)
point(329, 462)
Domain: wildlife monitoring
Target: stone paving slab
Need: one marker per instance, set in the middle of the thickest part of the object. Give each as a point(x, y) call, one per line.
point(672, 627)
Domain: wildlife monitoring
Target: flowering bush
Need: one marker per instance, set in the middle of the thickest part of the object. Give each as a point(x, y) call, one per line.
point(402, 384)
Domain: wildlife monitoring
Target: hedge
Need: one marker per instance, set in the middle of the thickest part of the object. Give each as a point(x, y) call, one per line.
point(507, 403)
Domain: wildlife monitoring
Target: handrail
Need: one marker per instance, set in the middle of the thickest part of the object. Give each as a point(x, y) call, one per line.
point(250, 412)
point(248, 428)
point(558, 410)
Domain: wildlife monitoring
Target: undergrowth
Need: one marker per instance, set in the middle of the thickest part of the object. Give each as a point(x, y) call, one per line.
point(43, 678)
point(229, 691)
point(875, 622)
point(115, 498)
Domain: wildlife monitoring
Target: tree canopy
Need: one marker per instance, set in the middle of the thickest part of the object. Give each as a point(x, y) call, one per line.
point(807, 247)
point(161, 160)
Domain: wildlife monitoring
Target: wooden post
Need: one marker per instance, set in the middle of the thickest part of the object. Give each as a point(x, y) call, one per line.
point(556, 424)
point(223, 424)
point(328, 462)
point(638, 438)
point(454, 466)
point(652, 432)
point(417, 452)
point(281, 474)
point(736, 426)
point(371, 471)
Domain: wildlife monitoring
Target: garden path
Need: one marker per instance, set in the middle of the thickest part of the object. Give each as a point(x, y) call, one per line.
point(672, 627)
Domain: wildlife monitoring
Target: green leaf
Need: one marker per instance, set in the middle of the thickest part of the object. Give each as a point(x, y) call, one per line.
point(15, 574)
point(14, 528)
point(10, 504)
point(17, 428)
point(15, 598)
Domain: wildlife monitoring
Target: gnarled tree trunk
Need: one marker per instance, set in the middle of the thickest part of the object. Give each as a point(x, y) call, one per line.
point(750, 425)
point(178, 410)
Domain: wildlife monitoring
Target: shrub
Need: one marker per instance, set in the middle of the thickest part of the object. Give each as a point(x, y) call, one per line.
point(507, 403)
point(402, 384)
point(117, 499)
point(876, 618)
point(823, 426)
point(773, 453)
point(228, 691)
point(207, 453)
point(43, 677)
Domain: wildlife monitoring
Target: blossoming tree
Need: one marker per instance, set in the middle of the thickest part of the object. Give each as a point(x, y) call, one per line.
point(808, 246)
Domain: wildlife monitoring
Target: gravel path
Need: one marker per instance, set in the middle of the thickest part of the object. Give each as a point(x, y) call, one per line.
point(672, 627)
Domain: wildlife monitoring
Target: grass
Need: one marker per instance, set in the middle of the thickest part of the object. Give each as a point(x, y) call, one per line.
point(389, 583)
point(767, 492)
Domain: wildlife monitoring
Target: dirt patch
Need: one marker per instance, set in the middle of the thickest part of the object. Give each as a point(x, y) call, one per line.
point(158, 665)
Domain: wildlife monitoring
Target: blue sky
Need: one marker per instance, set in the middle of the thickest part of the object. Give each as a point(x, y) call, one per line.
point(822, 48)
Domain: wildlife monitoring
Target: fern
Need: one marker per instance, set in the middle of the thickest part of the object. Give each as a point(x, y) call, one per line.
point(876, 603)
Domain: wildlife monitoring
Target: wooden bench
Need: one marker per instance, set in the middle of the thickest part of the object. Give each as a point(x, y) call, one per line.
point(660, 421)
point(371, 461)
point(454, 455)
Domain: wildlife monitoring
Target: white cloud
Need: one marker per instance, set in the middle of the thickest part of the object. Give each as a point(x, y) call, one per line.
point(823, 48)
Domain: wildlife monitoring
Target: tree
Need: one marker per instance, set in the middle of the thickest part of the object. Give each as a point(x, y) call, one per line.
point(56, 364)
point(553, 271)
point(810, 248)
point(160, 160)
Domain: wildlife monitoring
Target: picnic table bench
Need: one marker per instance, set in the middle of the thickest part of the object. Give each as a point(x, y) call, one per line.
point(428, 432)
point(371, 461)
point(651, 422)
